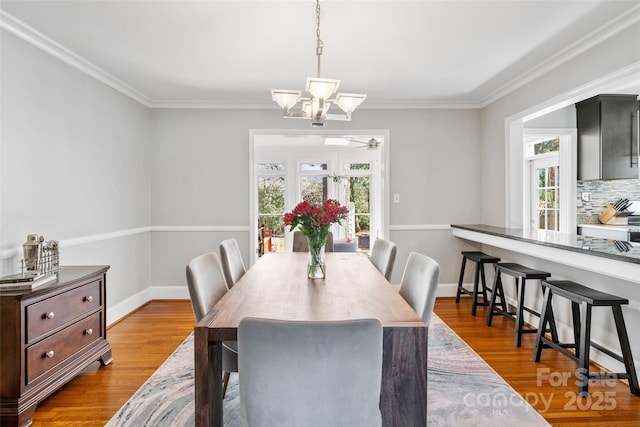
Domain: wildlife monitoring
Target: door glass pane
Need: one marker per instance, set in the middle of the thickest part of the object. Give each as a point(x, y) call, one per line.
point(313, 166)
point(356, 166)
point(270, 166)
point(358, 225)
point(548, 198)
point(271, 211)
point(314, 189)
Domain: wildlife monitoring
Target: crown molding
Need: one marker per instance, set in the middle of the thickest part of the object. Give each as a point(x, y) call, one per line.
point(235, 105)
point(597, 36)
point(53, 48)
point(39, 40)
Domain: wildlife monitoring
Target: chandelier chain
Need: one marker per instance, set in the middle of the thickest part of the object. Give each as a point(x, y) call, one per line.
point(319, 42)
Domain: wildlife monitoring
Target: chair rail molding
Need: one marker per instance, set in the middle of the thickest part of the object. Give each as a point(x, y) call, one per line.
point(420, 227)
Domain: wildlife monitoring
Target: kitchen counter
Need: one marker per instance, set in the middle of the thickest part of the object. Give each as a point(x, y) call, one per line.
point(588, 253)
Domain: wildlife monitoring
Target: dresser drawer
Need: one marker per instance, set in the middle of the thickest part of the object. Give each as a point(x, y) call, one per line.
point(49, 352)
point(47, 315)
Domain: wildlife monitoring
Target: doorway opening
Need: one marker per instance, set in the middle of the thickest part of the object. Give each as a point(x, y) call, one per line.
point(289, 167)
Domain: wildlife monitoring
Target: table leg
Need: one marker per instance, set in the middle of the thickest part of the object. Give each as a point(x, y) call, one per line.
point(208, 384)
point(403, 397)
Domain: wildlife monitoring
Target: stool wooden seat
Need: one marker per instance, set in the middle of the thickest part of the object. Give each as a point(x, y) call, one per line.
point(582, 300)
point(521, 275)
point(480, 258)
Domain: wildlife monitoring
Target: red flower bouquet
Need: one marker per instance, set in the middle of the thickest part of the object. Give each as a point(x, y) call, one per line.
point(314, 222)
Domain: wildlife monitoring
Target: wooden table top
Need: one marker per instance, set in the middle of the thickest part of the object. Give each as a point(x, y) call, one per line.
point(277, 287)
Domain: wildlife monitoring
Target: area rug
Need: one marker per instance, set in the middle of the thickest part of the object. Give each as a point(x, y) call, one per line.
point(462, 390)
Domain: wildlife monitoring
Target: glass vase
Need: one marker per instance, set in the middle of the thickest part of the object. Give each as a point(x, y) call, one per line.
point(316, 266)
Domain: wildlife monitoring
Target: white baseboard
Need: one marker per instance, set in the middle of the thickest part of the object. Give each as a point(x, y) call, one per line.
point(169, 292)
point(136, 301)
point(125, 307)
point(447, 290)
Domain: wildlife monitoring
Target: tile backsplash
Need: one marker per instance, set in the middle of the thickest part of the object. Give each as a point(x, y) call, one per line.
point(603, 193)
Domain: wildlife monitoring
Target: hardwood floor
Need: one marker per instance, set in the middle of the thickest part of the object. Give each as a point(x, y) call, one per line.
point(549, 386)
point(142, 341)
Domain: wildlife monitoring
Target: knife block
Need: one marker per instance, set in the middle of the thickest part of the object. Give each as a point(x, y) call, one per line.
point(608, 216)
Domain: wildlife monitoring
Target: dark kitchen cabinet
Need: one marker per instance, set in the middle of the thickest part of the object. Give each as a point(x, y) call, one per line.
point(607, 137)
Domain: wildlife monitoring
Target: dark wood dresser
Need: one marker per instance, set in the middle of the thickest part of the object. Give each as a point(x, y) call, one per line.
point(47, 336)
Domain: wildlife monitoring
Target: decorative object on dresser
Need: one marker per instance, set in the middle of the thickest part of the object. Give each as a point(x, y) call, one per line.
point(40, 256)
point(49, 334)
point(40, 264)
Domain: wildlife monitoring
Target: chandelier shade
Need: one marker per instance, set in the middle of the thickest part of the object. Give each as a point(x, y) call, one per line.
point(286, 98)
point(317, 105)
point(349, 101)
point(322, 88)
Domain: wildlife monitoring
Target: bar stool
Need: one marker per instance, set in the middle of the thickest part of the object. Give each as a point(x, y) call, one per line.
point(582, 300)
point(521, 274)
point(480, 259)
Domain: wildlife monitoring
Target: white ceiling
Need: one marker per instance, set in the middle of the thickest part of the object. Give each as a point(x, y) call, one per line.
point(400, 53)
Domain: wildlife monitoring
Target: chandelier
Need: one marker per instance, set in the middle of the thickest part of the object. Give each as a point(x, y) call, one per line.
point(316, 106)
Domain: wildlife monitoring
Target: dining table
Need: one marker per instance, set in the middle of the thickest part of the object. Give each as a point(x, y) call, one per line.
point(277, 287)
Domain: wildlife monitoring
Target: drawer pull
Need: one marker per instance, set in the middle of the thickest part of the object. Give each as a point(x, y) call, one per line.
point(49, 354)
point(88, 331)
point(50, 315)
point(88, 298)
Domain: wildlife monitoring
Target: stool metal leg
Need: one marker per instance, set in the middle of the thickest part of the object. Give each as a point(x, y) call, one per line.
point(585, 344)
point(575, 312)
point(464, 262)
point(485, 298)
point(476, 279)
point(626, 350)
point(552, 328)
point(497, 291)
point(519, 311)
point(545, 314)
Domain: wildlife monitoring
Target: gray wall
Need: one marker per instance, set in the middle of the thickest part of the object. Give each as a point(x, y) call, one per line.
point(200, 179)
point(616, 53)
point(145, 190)
point(75, 167)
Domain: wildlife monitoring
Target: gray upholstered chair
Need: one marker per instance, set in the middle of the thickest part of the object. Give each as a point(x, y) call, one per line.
point(383, 256)
point(232, 264)
point(310, 373)
point(207, 285)
point(419, 284)
point(345, 246)
point(301, 242)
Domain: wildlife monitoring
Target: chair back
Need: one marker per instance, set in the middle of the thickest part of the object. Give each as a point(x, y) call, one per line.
point(383, 256)
point(325, 373)
point(301, 242)
point(206, 283)
point(419, 284)
point(232, 264)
